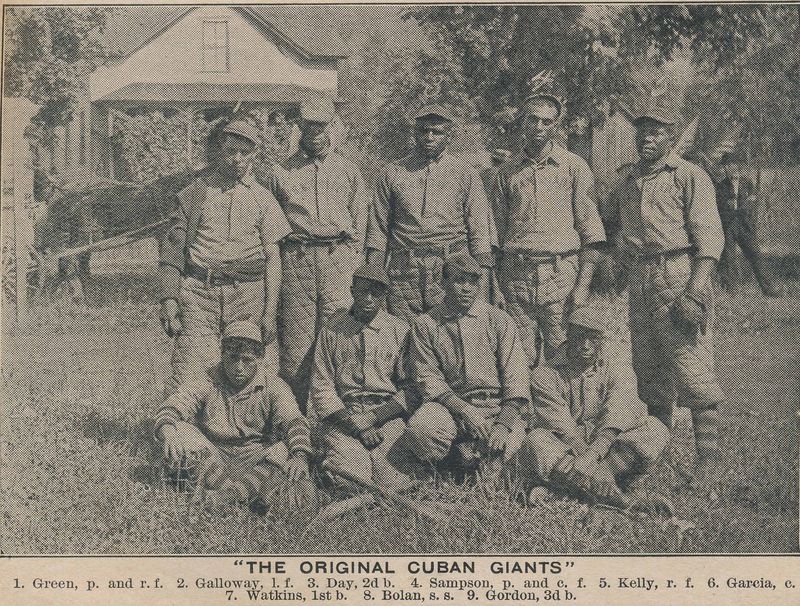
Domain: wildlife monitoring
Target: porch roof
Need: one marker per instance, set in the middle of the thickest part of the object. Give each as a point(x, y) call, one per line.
point(205, 92)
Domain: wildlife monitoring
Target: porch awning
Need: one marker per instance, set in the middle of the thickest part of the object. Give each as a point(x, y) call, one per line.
point(204, 92)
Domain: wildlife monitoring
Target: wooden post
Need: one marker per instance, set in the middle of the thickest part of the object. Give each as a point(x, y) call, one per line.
point(109, 136)
point(18, 204)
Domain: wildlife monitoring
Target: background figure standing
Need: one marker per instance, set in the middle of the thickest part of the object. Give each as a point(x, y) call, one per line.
point(219, 259)
point(323, 196)
point(427, 207)
point(737, 202)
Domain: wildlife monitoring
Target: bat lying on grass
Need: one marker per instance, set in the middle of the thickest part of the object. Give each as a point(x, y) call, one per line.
point(434, 511)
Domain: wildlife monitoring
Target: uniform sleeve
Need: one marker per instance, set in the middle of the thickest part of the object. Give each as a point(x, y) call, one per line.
point(512, 361)
point(622, 409)
point(551, 407)
point(183, 405)
point(480, 223)
point(171, 253)
point(359, 206)
point(584, 205)
point(378, 219)
point(499, 204)
point(274, 226)
point(323, 395)
point(704, 225)
point(425, 365)
point(287, 416)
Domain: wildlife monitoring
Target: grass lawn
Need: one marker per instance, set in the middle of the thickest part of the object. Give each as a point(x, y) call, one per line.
point(79, 473)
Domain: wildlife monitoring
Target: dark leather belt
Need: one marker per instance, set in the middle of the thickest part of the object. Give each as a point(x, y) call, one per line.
point(659, 256)
point(301, 242)
point(483, 397)
point(360, 402)
point(216, 277)
point(532, 257)
point(443, 250)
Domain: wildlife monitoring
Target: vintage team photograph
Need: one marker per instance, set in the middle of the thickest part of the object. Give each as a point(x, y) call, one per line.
point(400, 279)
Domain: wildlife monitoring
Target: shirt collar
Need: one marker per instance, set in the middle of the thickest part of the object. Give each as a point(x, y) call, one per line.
point(670, 161)
point(472, 312)
point(380, 320)
point(554, 154)
point(257, 382)
point(559, 360)
point(216, 179)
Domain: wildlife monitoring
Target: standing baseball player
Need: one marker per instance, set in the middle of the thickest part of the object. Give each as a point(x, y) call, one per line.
point(323, 196)
point(219, 259)
point(669, 238)
point(427, 207)
point(549, 229)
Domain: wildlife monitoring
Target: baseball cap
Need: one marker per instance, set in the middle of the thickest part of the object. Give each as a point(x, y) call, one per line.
point(435, 110)
point(373, 273)
point(243, 329)
point(589, 316)
point(463, 262)
point(319, 110)
point(243, 129)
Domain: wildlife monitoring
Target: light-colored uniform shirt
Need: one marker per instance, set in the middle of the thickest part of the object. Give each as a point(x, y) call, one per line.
point(670, 208)
point(420, 203)
point(458, 354)
point(236, 224)
point(354, 359)
point(547, 205)
point(328, 190)
point(258, 412)
point(573, 404)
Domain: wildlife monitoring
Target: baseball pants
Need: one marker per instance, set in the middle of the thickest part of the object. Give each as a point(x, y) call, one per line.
point(432, 430)
point(415, 283)
point(252, 470)
point(389, 464)
point(535, 295)
point(316, 283)
point(632, 453)
point(672, 365)
point(205, 312)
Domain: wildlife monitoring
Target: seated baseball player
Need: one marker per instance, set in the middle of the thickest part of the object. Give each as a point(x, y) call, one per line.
point(591, 432)
point(359, 383)
point(471, 369)
point(240, 425)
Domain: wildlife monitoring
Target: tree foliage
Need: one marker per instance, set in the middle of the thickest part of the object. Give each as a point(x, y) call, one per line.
point(50, 52)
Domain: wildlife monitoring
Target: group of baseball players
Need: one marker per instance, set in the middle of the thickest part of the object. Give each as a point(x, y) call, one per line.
point(446, 322)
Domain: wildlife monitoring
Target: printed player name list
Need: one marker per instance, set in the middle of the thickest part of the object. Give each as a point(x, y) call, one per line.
point(399, 579)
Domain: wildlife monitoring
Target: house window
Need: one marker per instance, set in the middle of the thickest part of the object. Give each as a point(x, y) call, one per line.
point(216, 46)
point(82, 138)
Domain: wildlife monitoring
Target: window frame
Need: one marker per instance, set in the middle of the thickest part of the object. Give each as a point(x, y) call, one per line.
point(206, 50)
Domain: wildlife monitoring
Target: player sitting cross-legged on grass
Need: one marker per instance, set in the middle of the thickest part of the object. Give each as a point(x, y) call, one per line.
point(591, 432)
point(241, 426)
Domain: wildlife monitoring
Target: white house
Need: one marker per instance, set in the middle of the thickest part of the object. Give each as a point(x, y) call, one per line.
point(198, 59)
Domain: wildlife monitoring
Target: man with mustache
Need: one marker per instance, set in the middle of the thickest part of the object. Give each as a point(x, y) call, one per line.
point(219, 259)
point(668, 239)
point(549, 229)
point(323, 196)
point(427, 207)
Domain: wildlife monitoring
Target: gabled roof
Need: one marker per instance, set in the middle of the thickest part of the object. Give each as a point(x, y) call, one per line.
point(302, 27)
